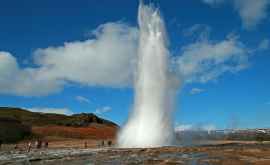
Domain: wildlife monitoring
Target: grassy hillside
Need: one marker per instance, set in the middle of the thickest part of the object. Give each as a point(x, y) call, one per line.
point(41, 119)
point(17, 123)
point(12, 130)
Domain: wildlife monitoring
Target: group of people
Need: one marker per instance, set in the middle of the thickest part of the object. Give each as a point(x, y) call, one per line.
point(102, 144)
point(37, 145)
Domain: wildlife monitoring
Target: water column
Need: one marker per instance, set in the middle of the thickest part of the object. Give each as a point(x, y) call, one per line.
point(149, 124)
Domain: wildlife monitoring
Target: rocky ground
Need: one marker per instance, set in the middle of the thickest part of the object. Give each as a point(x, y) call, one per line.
point(218, 154)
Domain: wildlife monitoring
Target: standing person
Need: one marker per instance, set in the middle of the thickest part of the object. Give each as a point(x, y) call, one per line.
point(85, 144)
point(1, 142)
point(46, 144)
point(16, 147)
point(29, 145)
point(109, 143)
point(39, 144)
point(36, 144)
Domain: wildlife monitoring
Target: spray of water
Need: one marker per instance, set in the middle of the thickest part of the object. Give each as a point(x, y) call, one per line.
point(149, 124)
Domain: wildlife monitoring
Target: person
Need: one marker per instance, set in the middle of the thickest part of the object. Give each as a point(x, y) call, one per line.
point(102, 143)
point(39, 144)
point(16, 147)
point(46, 144)
point(1, 142)
point(109, 143)
point(36, 143)
point(85, 144)
point(29, 145)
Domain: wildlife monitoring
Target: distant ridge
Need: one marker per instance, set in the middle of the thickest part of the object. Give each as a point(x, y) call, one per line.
point(41, 119)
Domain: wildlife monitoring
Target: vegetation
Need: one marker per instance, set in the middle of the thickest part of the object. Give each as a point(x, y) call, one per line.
point(17, 124)
point(41, 119)
point(12, 130)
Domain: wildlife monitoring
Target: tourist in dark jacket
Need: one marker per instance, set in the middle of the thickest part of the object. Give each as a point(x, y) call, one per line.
point(46, 145)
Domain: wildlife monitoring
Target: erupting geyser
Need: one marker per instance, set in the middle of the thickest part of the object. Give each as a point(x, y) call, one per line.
point(150, 124)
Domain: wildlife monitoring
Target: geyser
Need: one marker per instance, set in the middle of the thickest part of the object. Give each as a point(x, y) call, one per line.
point(149, 124)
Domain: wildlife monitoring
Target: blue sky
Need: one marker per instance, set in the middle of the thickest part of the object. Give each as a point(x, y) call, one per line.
point(77, 56)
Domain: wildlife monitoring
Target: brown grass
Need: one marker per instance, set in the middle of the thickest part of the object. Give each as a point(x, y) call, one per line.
point(94, 131)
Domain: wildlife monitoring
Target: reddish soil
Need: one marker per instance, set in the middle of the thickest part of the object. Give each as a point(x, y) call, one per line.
point(94, 131)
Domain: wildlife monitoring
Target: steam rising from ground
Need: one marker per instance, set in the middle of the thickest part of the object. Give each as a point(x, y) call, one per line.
point(150, 122)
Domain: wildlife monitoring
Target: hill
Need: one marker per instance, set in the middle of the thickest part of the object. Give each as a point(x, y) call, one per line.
point(12, 130)
point(17, 124)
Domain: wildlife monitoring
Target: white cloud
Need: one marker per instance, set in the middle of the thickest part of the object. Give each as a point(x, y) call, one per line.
point(64, 111)
point(82, 99)
point(252, 12)
point(107, 60)
point(28, 81)
point(104, 61)
point(103, 110)
point(196, 30)
point(206, 60)
point(264, 44)
point(194, 91)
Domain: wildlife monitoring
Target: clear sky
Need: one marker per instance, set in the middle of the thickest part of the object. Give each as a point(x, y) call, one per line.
point(78, 56)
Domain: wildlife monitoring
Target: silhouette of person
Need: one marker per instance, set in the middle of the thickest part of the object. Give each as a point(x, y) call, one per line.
point(46, 144)
point(109, 143)
point(29, 146)
point(39, 144)
point(16, 146)
point(85, 144)
point(1, 142)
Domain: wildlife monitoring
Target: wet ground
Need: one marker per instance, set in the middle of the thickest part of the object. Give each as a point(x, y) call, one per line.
point(220, 154)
